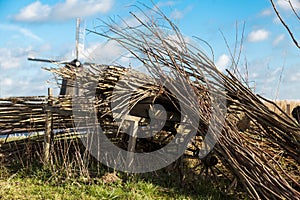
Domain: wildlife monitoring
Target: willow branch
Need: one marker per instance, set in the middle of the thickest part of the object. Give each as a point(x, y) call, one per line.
point(285, 25)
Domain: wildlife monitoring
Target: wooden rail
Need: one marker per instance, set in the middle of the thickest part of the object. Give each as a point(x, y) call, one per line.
point(36, 115)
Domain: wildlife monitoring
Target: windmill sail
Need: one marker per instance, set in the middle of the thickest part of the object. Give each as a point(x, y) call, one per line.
point(68, 86)
point(81, 38)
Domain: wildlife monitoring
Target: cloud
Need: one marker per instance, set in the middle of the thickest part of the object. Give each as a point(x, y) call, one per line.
point(18, 77)
point(13, 57)
point(23, 31)
point(267, 81)
point(179, 14)
point(165, 3)
point(267, 12)
point(266, 72)
point(223, 62)
point(108, 52)
point(176, 14)
point(294, 77)
point(20, 83)
point(258, 35)
point(132, 21)
point(7, 82)
point(276, 20)
point(38, 12)
point(284, 4)
point(278, 39)
point(177, 42)
point(33, 12)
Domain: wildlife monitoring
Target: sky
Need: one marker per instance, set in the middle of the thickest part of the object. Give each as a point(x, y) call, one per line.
point(269, 60)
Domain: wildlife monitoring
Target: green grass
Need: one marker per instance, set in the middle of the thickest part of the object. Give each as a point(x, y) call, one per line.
point(28, 188)
point(40, 184)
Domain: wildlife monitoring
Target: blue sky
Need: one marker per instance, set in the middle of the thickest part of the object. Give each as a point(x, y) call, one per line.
point(46, 29)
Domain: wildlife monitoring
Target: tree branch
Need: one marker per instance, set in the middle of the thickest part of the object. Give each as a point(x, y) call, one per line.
point(292, 7)
point(284, 24)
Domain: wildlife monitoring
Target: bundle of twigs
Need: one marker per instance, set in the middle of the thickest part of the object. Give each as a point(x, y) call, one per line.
point(27, 114)
point(112, 84)
point(263, 156)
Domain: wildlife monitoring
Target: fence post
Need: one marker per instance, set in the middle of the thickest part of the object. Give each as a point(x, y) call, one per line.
point(288, 109)
point(48, 128)
point(134, 124)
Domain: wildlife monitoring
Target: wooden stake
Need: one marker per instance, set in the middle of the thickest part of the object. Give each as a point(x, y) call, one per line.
point(288, 109)
point(134, 124)
point(48, 129)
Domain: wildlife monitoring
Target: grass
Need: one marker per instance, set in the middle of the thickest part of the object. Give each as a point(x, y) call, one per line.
point(41, 184)
point(29, 188)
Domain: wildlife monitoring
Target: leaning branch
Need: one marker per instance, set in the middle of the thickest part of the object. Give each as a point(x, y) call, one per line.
point(284, 24)
point(293, 9)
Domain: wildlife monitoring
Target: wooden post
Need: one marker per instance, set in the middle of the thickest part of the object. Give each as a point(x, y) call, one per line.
point(288, 109)
point(132, 139)
point(134, 124)
point(48, 128)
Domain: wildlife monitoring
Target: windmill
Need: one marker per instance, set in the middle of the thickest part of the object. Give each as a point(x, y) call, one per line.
point(75, 64)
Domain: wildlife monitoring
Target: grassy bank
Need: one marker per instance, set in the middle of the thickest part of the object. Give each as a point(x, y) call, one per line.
point(40, 184)
point(29, 188)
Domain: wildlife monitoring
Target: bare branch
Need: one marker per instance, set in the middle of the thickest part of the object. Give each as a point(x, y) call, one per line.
point(284, 24)
point(292, 7)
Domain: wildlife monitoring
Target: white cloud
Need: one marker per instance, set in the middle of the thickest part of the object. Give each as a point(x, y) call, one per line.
point(276, 20)
point(12, 57)
point(34, 12)
point(278, 39)
point(23, 31)
point(7, 82)
point(179, 14)
point(131, 21)
point(161, 4)
point(258, 35)
point(223, 62)
point(273, 76)
point(38, 12)
point(24, 84)
point(295, 77)
point(253, 75)
point(176, 42)
point(106, 52)
point(267, 12)
point(284, 4)
point(16, 57)
point(176, 14)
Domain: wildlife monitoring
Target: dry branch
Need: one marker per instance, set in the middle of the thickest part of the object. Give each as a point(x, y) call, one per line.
point(250, 155)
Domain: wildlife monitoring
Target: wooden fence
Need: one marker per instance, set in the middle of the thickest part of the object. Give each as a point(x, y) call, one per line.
point(48, 117)
point(36, 115)
point(29, 114)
